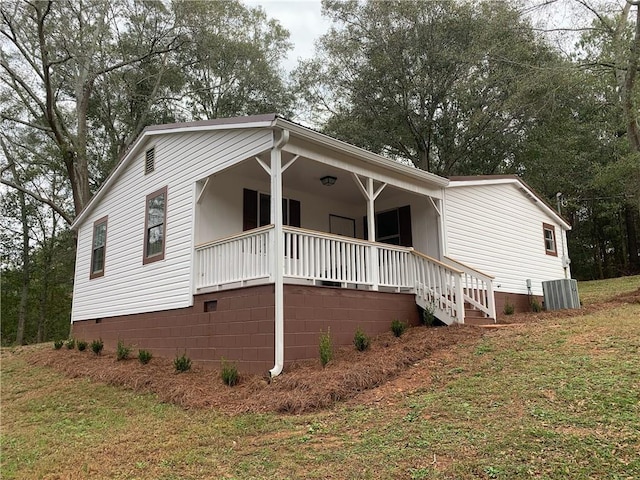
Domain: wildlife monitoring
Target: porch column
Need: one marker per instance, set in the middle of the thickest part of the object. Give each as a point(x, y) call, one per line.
point(277, 257)
point(371, 229)
point(371, 196)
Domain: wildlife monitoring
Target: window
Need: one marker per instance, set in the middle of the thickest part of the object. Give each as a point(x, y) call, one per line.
point(154, 226)
point(150, 161)
point(392, 227)
point(257, 210)
point(98, 246)
point(550, 239)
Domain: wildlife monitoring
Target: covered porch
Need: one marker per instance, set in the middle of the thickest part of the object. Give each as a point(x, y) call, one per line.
point(313, 214)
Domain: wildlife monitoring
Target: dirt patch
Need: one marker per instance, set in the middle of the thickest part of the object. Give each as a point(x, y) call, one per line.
point(390, 367)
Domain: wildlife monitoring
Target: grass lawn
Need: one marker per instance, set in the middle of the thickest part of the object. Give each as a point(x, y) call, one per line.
point(556, 398)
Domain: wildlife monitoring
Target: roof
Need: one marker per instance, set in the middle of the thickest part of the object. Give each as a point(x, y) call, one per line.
point(271, 121)
point(473, 180)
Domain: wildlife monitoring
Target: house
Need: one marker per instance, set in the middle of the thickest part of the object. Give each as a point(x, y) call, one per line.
point(502, 227)
point(244, 238)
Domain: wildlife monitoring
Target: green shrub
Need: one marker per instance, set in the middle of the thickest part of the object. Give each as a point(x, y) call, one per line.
point(71, 344)
point(326, 348)
point(229, 373)
point(361, 340)
point(97, 346)
point(535, 306)
point(82, 345)
point(182, 363)
point(508, 309)
point(428, 315)
point(122, 351)
point(398, 327)
point(144, 356)
point(58, 344)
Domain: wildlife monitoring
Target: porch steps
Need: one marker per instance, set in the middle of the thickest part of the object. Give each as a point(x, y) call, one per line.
point(473, 316)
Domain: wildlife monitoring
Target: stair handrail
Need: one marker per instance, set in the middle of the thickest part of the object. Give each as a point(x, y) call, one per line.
point(487, 304)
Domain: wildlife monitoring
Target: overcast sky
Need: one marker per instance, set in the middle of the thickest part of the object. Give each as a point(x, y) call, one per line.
point(303, 20)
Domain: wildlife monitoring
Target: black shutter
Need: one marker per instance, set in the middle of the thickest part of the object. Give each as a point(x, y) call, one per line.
point(249, 209)
point(365, 228)
point(294, 213)
point(404, 219)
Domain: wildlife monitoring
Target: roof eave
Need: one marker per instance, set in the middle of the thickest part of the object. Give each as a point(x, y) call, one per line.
point(361, 153)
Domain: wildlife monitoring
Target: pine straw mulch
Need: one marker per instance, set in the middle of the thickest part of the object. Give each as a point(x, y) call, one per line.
point(365, 377)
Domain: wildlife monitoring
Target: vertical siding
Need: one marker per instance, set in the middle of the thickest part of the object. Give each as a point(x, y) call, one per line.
point(498, 230)
point(128, 286)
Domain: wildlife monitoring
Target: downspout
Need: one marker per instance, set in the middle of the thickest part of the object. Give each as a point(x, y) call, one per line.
point(278, 249)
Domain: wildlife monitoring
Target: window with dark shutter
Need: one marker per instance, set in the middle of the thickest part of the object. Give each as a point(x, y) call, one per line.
point(150, 161)
point(392, 227)
point(256, 210)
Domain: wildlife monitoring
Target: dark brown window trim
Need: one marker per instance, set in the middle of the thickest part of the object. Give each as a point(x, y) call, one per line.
point(551, 228)
point(99, 273)
point(158, 256)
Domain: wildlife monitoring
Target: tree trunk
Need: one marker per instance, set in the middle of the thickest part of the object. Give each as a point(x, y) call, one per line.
point(630, 111)
point(26, 277)
point(630, 217)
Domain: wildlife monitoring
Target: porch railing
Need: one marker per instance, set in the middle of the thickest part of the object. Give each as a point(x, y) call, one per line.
point(323, 257)
point(439, 288)
point(234, 260)
point(477, 288)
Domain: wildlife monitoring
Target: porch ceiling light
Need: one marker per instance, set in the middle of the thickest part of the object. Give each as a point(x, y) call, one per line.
point(328, 180)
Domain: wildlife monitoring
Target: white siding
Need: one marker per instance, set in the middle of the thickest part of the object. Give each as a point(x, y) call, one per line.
point(128, 286)
point(498, 230)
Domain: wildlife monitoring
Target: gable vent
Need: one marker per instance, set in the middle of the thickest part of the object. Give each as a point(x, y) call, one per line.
point(150, 160)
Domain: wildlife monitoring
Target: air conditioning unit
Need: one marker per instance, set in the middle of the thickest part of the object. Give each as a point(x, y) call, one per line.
point(560, 294)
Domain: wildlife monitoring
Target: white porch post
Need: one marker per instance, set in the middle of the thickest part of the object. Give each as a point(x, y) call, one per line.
point(371, 227)
point(277, 258)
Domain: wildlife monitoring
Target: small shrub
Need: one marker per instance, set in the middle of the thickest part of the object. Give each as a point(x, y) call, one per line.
point(58, 344)
point(428, 315)
point(535, 306)
point(508, 309)
point(361, 340)
point(71, 344)
point(326, 348)
point(82, 345)
point(144, 356)
point(398, 327)
point(97, 346)
point(229, 373)
point(182, 363)
point(122, 351)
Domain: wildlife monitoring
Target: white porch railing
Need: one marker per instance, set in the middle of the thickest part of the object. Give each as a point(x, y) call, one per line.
point(234, 260)
point(477, 288)
point(323, 257)
point(439, 288)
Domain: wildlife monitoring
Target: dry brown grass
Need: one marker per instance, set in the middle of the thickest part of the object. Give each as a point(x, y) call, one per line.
point(304, 387)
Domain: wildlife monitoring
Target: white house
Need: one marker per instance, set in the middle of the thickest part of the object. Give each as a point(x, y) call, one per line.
point(243, 238)
point(498, 224)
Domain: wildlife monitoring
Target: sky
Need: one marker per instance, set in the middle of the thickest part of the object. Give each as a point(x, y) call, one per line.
point(304, 21)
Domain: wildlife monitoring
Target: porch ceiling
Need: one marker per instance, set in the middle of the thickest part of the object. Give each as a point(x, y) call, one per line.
point(305, 174)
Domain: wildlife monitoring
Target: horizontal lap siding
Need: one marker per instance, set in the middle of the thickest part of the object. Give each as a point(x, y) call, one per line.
point(498, 230)
point(127, 286)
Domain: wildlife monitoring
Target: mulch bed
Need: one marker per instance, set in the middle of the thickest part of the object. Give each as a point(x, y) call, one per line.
point(303, 387)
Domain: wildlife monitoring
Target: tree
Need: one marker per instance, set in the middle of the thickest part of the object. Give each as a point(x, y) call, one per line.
point(451, 86)
point(53, 54)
